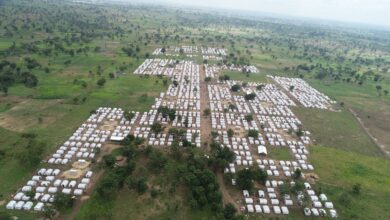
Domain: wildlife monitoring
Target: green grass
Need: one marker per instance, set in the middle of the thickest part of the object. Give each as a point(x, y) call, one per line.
point(347, 168)
point(4, 107)
point(121, 92)
point(340, 170)
point(338, 130)
point(279, 153)
point(374, 110)
point(258, 77)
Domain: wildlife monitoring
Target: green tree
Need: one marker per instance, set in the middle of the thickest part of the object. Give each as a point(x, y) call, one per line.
point(63, 201)
point(250, 96)
point(297, 173)
point(101, 82)
point(109, 160)
point(356, 189)
point(249, 117)
point(244, 179)
point(206, 112)
point(230, 132)
point(235, 88)
point(253, 133)
point(229, 211)
point(157, 128)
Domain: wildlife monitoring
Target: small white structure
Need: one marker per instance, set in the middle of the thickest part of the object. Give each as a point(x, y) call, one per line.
point(285, 210)
point(266, 209)
point(78, 192)
point(66, 191)
point(248, 200)
point(277, 210)
point(333, 213)
point(250, 208)
point(28, 205)
point(329, 205)
point(39, 206)
point(262, 150)
point(258, 208)
point(11, 204)
point(19, 205)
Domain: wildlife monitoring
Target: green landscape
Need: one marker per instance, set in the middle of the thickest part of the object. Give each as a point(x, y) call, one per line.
point(62, 60)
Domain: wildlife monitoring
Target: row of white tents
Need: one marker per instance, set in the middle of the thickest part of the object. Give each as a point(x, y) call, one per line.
point(304, 93)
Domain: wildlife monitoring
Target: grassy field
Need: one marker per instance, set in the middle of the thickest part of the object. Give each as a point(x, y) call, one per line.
point(339, 130)
point(372, 109)
point(60, 120)
point(340, 170)
point(258, 77)
point(279, 153)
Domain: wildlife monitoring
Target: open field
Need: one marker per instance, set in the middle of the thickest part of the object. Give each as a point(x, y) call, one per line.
point(338, 130)
point(340, 170)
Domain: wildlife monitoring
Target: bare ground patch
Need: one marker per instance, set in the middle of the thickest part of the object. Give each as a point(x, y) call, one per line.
point(27, 113)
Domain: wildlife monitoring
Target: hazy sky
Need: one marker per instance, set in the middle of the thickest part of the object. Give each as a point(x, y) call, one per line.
point(361, 11)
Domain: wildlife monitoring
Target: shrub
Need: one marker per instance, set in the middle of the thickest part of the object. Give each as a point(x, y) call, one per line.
point(235, 88)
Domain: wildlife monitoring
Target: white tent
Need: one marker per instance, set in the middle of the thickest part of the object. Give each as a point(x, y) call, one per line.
point(262, 150)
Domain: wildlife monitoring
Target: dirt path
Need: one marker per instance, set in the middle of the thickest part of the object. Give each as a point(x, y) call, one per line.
point(205, 131)
point(381, 146)
point(79, 202)
point(107, 149)
point(205, 122)
point(226, 197)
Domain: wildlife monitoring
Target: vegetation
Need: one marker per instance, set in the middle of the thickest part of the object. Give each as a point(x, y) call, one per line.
point(235, 88)
point(167, 113)
point(253, 133)
point(250, 96)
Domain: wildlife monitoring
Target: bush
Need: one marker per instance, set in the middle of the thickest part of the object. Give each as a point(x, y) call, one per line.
point(250, 96)
point(31, 154)
point(157, 161)
point(154, 192)
point(220, 156)
point(202, 183)
point(284, 189)
point(63, 201)
point(244, 179)
point(249, 117)
point(253, 133)
point(206, 112)
point(235, 88)
point(259, 175)
point(101, 82)
point(109, 160)
point(138, 184)
point(297, 173)
point(356, 189)
point(260, 87)
point(229, 211)
point(230, 132)
point(224, 78)
point(157, 128)
point(298, 186)
point(167, 112)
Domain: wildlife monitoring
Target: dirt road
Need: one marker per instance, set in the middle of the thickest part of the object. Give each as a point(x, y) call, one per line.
point(381, 146)
point(205, 122)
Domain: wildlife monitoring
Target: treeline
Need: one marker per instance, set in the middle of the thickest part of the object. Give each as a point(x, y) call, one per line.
point(11, 73)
